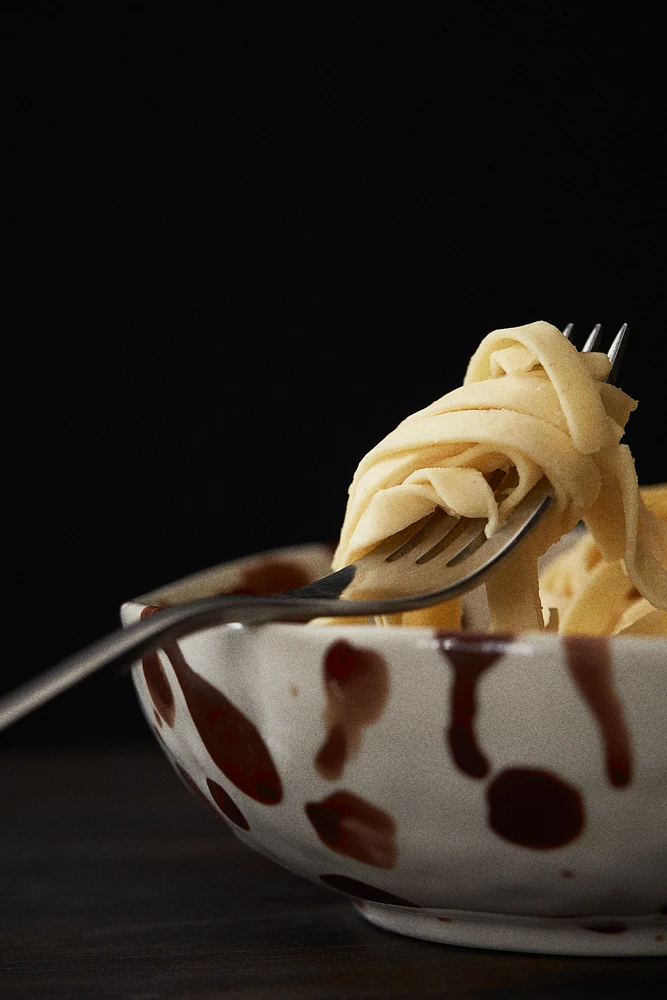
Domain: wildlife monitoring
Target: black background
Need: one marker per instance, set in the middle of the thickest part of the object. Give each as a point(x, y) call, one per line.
point(243, 252)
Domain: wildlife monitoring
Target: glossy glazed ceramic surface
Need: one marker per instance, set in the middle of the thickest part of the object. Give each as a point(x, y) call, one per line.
point(473, 788)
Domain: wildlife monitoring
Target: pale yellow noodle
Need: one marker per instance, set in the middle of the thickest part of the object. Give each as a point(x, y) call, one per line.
point(530, 401)
point(596, 596)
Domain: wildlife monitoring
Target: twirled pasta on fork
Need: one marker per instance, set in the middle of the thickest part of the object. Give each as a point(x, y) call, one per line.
point(531, 405)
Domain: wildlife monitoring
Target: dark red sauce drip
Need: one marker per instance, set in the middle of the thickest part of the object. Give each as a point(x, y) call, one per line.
point(156, 680)
point(272, 576)
point(361, 890)
point(231, 739)
point(469, 655)
point(534, 809)
point(226, 804)
point(194, 787)
point(351, 826)
point(660, 937)
point(356, 685)
point(611, 927)
point(445, 920)
point(589, 663)
point(331, 757)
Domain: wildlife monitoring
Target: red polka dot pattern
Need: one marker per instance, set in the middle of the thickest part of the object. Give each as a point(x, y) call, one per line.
point(156, 680)
point(273, 576)
point(356, 685)
point(226, 804)
point(469, 656)
point(589, 663)
point(231, 739)
point(534, 809)
point(351, 826)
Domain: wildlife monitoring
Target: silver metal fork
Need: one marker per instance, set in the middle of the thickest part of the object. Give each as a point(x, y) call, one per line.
point(434, 560)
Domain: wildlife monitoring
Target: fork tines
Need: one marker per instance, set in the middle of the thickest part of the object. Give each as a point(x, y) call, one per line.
point(615, 352)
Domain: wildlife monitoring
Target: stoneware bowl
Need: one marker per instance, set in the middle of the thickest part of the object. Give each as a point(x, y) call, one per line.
point(494, 791)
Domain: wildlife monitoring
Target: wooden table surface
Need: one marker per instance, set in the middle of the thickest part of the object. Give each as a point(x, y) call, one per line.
point(115, 884)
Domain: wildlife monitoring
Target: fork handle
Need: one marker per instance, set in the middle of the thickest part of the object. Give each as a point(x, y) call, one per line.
point(125, 646)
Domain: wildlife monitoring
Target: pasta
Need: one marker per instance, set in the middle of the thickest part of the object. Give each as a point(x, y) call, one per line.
point(530, 402)
point(596, 597)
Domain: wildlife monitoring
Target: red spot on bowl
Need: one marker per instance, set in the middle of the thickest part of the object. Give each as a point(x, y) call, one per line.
point(568, 874)
point(469, 655)
point(660, 937)
point(534, 809)
point(156, 679)
point(231, 739)
point(590, 666)
point(362, 890)
point(353, 827)
point(356, 686)
point(226, 804)
point(272, 576)
point(332, 755)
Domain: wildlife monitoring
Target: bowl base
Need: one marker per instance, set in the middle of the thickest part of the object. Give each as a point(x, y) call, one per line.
point(595, 936)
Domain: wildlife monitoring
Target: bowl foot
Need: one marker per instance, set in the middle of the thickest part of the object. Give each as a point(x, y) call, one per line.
point(622, 937)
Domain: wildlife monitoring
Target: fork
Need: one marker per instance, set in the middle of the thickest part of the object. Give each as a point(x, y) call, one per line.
point(433, 560)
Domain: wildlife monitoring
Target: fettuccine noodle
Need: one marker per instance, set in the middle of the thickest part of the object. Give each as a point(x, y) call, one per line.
point(530, 402)
point(597, 597)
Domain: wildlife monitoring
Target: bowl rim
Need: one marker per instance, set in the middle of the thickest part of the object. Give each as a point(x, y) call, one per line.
point(200, 578)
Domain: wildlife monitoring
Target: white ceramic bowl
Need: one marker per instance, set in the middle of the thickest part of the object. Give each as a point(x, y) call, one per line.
point(484, 790)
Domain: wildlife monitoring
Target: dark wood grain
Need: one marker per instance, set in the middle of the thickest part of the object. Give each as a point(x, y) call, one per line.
point(116, 885)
